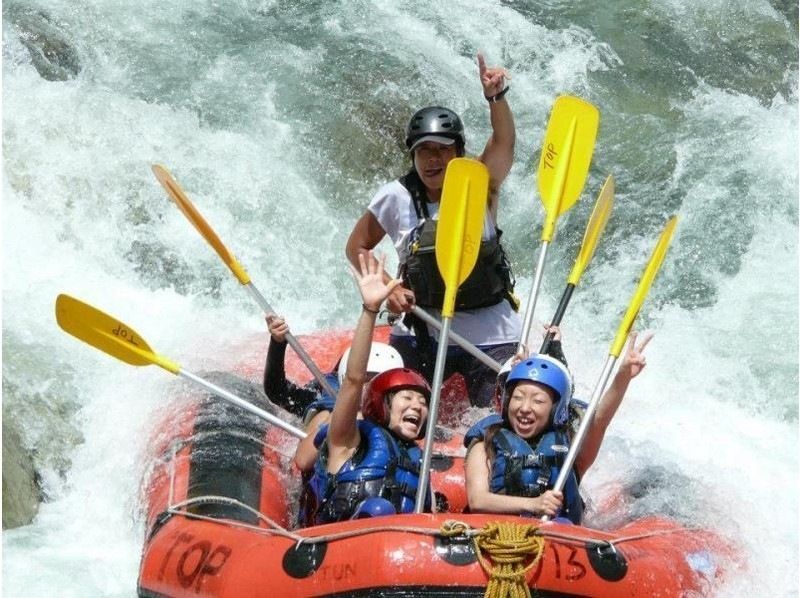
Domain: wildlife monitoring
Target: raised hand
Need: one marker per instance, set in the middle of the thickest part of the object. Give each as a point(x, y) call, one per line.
point(278, 328)
point(554, 329)
point(634, 361)
point(370, 280)
point(493, 79)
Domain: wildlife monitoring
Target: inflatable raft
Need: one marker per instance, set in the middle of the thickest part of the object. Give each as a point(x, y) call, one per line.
point(221, 494)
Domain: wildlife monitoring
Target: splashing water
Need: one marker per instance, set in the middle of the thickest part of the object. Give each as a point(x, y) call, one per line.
point(280, 120)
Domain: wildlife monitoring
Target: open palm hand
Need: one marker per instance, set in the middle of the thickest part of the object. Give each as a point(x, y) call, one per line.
point(370, 279)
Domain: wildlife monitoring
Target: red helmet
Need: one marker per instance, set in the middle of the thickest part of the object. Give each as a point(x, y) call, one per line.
point(391, 380)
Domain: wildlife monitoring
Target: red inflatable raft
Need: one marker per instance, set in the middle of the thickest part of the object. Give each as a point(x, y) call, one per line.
point(221, 501)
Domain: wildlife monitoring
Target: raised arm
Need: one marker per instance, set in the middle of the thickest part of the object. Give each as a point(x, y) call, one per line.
point(343, 435)
point(498, 155)
point(274, 372)
point(279, 390)
point(632, 365)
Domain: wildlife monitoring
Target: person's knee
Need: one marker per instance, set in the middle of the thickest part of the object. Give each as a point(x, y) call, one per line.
point(374, 507)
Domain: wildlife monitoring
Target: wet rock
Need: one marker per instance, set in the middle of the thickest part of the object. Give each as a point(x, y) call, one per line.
point(50, 48)
point(21, 492)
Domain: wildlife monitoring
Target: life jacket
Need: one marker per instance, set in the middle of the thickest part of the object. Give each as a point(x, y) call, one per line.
point(383, 467)
point(521, 469)
point(325, 402)
point(490, 282)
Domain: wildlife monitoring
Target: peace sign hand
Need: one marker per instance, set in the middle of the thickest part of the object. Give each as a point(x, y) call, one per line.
point(634, 361)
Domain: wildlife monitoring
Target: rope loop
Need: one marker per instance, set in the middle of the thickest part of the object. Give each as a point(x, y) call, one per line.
point(513, 549)
point(453, 527)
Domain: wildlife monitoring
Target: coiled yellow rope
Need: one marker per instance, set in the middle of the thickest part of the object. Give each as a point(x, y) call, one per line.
point(513, 549)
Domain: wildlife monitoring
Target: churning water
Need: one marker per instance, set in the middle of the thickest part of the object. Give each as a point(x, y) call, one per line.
point(280, 118)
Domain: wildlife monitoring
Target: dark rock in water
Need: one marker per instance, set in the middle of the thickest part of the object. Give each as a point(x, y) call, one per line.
point(250, 392)
point(52, 54)
point(21, 493)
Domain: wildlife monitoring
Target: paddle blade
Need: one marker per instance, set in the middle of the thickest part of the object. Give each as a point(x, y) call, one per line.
point(643, 288)
point(566, 155)
point(461, 216)
point(182, 201)
point(107, 334)
point(595, 228)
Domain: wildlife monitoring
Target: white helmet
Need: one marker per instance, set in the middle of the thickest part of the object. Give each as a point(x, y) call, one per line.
point(382, 357)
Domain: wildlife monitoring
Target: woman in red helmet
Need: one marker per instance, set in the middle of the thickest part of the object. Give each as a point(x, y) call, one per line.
point(370, 466)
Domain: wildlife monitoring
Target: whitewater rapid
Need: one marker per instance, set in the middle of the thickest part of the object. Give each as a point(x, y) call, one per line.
point(281, 119)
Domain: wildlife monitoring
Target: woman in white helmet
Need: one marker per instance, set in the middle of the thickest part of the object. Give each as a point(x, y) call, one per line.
point(310, 400)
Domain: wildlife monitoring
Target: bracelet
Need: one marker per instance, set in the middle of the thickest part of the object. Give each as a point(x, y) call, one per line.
point(498, 97)
point(371, 311)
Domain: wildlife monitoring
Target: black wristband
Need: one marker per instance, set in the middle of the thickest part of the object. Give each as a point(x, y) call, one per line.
point(498, 97)
point(368, 310)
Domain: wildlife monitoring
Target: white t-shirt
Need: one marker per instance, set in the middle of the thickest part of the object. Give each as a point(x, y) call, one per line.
point(497, 324)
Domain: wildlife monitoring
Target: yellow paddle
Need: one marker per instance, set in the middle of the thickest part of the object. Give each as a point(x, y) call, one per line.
point(624, 330)
point(119, 340)
point(563, 166)
point(197, 220)
point(594, 228)
point(462, 212)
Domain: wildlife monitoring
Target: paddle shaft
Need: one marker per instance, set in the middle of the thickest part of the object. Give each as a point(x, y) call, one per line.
point(537, 282)
point(294, 343)
point(457, 339)
point(430, 428)
point(188, 209)
point(639, 295)
point(576, 443)
point(562, 307)
point(239, 402)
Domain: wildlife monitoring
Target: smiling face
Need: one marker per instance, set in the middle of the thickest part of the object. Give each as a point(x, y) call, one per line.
point(529, 408)
point(430, 161)
point(408, 410)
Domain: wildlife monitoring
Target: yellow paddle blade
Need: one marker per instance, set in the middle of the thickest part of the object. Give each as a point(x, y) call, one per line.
point(595, 228)
point(188, 209)
point(103, 332)
point(461, 216)
point(643, 288)
point(566, 155)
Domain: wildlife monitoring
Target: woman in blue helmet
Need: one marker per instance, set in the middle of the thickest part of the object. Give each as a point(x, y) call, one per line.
point(370, 466)
point(513, 460)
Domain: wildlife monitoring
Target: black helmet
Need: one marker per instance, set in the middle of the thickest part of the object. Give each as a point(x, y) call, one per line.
point(435, 121)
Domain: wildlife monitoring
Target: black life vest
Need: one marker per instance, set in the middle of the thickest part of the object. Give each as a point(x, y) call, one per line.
point(490, 282)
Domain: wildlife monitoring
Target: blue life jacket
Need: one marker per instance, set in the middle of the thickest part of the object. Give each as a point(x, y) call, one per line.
point(325, 402)
point(383, 467)
point(521, 469)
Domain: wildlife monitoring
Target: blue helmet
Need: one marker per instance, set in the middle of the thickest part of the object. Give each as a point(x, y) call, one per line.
point(549, 372)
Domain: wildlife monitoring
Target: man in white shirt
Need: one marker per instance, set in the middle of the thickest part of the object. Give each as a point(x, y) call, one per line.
point(406, 210)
